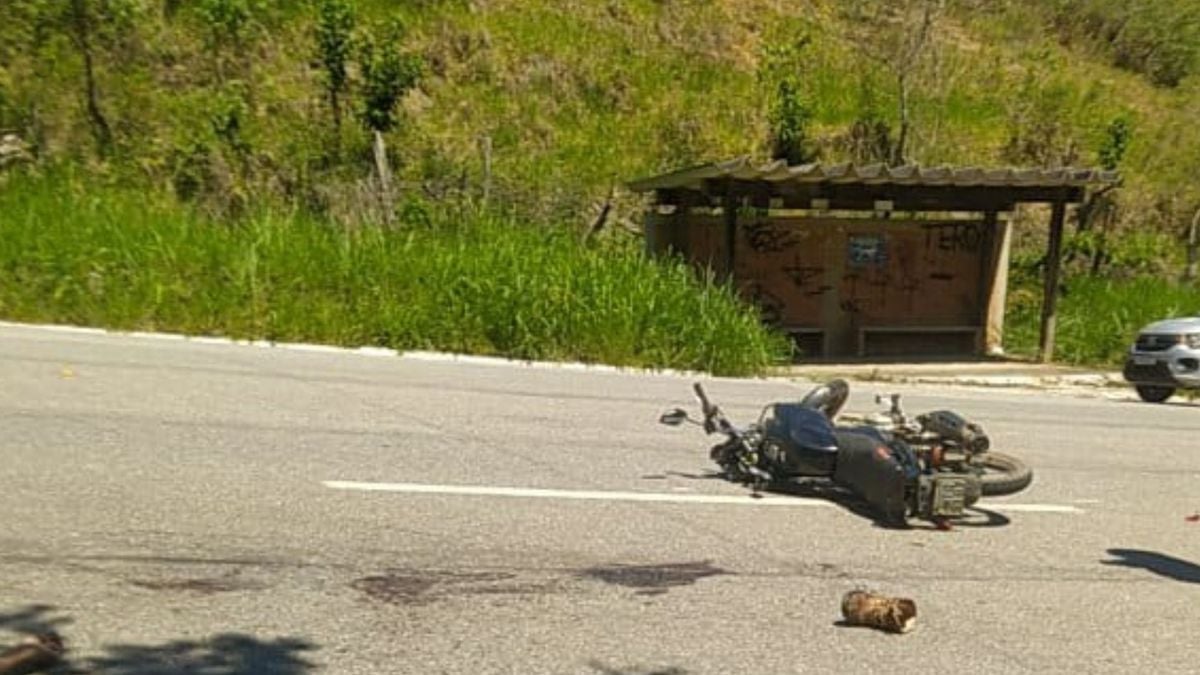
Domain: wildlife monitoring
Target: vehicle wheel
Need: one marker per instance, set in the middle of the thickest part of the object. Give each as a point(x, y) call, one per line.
point(1003, 475)
point(1154, 394)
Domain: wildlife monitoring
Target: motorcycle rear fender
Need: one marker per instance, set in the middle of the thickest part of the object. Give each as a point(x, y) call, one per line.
point(868, 468)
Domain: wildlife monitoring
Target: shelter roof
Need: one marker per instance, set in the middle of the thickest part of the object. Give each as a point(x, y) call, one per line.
point(779, 173)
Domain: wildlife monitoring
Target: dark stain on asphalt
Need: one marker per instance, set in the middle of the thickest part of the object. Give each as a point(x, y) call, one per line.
point(654, 579)
point(200, 586)
point(610, 670)
point(414, 587)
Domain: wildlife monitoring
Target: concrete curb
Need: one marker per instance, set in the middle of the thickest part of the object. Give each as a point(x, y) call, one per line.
point(895, 373)
point(1096, 381)
point(1093, 380)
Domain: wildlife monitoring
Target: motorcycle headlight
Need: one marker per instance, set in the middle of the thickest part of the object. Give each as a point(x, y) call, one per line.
point(1192, 340)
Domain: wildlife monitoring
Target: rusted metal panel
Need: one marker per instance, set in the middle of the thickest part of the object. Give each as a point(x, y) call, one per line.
point(841, 277)
point(706, 242)
point(781, 266)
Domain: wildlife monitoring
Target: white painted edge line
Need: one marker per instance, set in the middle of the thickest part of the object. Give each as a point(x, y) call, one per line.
point(542, 493)
point(413, 355)
point(1030, 508)
point(619, 496)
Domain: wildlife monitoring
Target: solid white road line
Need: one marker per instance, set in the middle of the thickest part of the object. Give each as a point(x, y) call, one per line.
point(490, 491)
point(413, 355)
point(543, 493)
point(1030, 508)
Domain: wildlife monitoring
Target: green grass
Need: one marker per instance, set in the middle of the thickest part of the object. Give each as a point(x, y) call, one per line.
point(1097, 318)
point(481, 284)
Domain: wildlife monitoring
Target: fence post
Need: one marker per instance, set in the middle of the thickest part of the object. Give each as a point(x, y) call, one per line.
point(385, 177)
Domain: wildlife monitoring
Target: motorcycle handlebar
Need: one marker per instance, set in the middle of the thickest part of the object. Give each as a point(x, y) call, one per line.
point(713, 419)
point(704, 402)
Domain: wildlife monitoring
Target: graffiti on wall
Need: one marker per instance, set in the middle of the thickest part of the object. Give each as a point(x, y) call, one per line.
point(928, 271)
point(802, 275)
point(965, 237)
point(770, 306)
point(764, 237)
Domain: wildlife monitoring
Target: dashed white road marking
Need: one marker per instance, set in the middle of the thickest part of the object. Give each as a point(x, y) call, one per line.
point(620, 496)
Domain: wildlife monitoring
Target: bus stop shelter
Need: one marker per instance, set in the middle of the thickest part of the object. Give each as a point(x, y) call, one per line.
point(868, 260)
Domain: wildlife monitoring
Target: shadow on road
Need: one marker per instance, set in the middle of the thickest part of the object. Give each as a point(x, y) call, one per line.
point(224, 654)
point(815, 489)
point(1183, 403)
point(1162, 565)
point(609, 670)
point(33, 619)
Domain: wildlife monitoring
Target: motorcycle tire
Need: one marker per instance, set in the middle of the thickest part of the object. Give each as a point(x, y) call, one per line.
point(1004, 475)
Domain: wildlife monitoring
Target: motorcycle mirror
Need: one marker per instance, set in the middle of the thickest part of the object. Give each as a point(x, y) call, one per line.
point(674, 417)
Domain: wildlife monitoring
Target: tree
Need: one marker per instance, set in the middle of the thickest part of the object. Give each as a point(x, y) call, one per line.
point(870, 135)
point(388, 73)
point(1102, 206)
point(788, 111)
point(1117, 136)
point(229, 23)
point(93, 29)
point(82, 21)
point(899, 35)
point(334, 35)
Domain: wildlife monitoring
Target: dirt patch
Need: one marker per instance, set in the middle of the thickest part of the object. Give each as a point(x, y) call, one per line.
point(654, 579)
point(422, 587)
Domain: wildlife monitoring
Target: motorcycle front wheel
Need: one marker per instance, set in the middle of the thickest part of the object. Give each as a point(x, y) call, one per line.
point(1003, 474)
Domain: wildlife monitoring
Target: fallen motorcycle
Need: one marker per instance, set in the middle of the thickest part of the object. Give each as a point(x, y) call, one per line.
point(932, 466)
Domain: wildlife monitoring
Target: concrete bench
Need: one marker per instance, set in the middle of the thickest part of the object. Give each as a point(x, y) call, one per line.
point(864, 331)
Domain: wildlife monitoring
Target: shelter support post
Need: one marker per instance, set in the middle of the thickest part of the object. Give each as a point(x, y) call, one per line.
point(729, 208)
point(1050, 289)
point(996, 282)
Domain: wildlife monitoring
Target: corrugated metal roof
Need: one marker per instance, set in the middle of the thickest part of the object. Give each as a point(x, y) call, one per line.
point(875, 174)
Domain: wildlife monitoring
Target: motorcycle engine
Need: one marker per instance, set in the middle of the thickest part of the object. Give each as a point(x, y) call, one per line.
point(944, 495)
point(954, 428)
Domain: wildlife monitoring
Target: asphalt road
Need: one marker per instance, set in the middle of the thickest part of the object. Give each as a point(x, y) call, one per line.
point(167, 507)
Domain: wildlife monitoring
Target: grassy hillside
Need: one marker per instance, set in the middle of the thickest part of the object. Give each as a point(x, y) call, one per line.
point(225, 105)
point(575, 94)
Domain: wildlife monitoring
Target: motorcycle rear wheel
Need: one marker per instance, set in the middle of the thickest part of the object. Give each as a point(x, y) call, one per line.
point(1004, 475)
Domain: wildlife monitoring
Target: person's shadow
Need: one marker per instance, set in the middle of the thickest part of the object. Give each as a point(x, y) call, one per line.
point(223, 654)
point(1162, 565)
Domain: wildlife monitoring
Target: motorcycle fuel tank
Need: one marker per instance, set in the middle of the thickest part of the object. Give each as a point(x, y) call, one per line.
point(802, 438)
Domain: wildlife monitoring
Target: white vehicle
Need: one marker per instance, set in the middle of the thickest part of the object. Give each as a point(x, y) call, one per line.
point(1165, 358)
